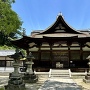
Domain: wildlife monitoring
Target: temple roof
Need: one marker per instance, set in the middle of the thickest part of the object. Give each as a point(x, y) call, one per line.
point(59, 30)
point(61, 35)
point(60, 26)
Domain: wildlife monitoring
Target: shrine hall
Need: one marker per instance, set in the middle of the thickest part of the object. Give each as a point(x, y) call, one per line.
point(58, 46)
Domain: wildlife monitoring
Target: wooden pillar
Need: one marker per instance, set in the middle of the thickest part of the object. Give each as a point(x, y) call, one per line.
point(6, 61)
point(69, 52)
point(39, 53)
point(51, 53)
point(27, 51)
point(81, 51)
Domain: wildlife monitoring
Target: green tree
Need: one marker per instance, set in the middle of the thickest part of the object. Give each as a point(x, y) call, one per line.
point(11, 1)
point(10, 23)
point(9, 20)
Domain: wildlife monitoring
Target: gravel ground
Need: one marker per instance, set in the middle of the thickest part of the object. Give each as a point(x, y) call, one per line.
point(85, 86)
point(42, 79)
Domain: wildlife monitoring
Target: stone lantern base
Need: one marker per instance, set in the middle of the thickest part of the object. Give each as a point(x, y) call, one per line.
point(30, 78)
point(87, 78)
point(15, 84)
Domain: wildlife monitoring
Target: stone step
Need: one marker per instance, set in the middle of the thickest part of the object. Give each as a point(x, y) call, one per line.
point(59, 73)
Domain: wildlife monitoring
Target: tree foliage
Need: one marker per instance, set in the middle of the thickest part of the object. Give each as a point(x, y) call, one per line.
point(5, 47)
point(10, 23)
point(8, 1)
point(9, 20)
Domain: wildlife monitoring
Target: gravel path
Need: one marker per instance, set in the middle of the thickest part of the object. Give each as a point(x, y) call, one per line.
point(44, 79)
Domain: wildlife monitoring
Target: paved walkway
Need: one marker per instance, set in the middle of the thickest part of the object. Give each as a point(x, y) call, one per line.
point(49, 84)
point(59, 84)
point(59, 80)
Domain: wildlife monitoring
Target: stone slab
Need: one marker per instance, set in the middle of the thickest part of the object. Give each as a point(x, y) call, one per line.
point(59, 85)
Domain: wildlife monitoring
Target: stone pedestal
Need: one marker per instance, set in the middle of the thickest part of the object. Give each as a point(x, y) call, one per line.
point(29, 76)
point(15, 84)
point(87, 77)
point(29, 67)
point(15, 79)
point(16, 72)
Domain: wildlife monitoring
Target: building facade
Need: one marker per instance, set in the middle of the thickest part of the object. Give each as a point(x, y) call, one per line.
point(5, 61)
point(59, 46)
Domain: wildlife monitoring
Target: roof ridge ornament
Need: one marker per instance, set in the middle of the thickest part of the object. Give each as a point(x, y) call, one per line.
point(59, 14)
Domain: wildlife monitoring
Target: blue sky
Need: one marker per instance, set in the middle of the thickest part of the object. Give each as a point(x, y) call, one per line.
point(40, 14)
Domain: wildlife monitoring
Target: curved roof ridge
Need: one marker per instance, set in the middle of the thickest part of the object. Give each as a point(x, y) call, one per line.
point(69, 25)
point(59, 16)
point(48, 27)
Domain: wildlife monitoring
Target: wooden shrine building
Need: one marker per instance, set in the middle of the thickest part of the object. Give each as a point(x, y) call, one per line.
point(59, 46)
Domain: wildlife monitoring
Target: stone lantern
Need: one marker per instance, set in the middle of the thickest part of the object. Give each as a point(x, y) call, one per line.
point(87, 77)
point(29, 76)
point(15, 78)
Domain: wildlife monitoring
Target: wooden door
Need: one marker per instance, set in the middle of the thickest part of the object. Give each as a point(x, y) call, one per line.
point(61, 59)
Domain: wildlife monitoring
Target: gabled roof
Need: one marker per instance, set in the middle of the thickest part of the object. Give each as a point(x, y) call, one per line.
point(59, 31)
point(60, 26)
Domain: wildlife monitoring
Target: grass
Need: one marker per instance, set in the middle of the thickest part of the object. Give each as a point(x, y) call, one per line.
point(1, 88)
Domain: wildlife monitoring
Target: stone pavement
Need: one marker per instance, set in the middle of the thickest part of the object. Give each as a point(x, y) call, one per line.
point(45, 83)
point(50, 84)
point(4, 77)
point(59, 84)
